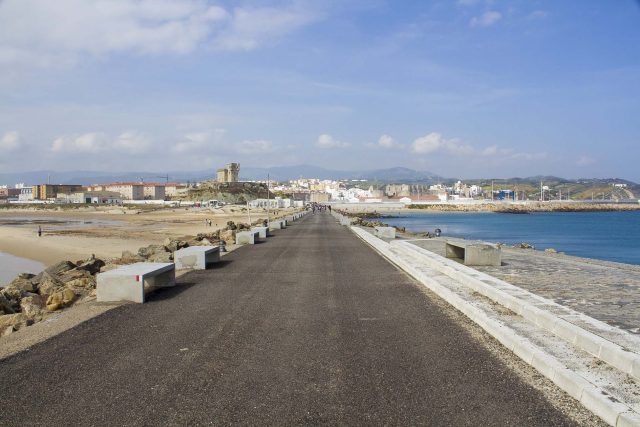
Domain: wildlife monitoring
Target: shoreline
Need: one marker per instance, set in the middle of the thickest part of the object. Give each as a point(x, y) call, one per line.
point(545, 246)
point(77, 234)
point(491, 207)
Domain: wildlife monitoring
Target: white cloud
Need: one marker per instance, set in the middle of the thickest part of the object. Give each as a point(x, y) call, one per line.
point(53, 33)
point(252, 27)
point(387, 141)
point(198, 140)
point(10, 141)
point(487, 19)
point(86, 143)
point(327, 141)
point(132, 142)
point(258, 146)
point(490, 150)
point(434, 142)
point(585, 161)
point(129, 142)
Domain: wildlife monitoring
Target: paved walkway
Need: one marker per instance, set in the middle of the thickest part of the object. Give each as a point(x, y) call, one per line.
point(310, 327)
point(606, 291)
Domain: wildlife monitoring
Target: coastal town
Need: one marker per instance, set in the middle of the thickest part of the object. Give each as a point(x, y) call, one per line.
point(296, 192)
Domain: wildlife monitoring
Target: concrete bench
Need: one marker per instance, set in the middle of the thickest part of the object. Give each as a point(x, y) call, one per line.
point(130, 282)
point(385, 232)
point(196, 257)
point(247, 237)
point(277, 225)
point(474, 253)
point(263, 232)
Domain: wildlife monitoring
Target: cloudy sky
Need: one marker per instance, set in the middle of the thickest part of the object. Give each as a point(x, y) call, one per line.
point(463, 88)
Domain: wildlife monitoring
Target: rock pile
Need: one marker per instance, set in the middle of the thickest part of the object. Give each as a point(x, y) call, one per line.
point(29, 297)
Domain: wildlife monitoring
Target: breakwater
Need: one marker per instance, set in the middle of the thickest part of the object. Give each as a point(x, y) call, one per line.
point(610, 236)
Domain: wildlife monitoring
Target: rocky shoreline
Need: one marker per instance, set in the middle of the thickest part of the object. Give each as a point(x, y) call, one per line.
point(526, 207)
point(30, 299)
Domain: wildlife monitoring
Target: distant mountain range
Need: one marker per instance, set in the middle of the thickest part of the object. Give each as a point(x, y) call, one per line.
point(280, 173)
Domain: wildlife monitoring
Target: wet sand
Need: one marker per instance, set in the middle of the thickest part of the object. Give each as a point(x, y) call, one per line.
point(75, 235)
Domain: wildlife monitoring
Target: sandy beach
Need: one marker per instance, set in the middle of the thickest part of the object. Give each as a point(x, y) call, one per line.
point(76, 234)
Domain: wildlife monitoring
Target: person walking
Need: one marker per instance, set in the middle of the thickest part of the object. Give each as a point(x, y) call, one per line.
point(39, 231)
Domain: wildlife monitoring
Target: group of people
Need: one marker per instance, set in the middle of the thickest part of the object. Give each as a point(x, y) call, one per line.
point(318, 207)
point(208, 222)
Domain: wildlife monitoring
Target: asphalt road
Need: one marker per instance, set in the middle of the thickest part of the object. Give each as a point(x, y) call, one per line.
point(311, 327)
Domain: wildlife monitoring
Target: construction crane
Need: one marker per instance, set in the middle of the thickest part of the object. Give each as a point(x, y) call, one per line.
point(165, 177)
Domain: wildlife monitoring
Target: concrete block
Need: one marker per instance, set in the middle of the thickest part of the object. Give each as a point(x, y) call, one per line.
point(474, 253)
point(571, 382)
point(386, 232)
point(628, 419)
point(588, 342)
point(247, 237)
point(263, 232)
point(276, 225)
point(196, 257)
point(605, 406)
point(482, 254)
point(130, 282)
point(616, 356)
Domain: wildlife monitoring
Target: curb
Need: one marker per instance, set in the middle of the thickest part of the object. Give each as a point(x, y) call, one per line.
point(602, 348)
point(591, 397)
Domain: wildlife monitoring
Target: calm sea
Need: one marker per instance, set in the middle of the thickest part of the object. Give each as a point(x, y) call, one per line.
point(611, 236)
point(11, 266)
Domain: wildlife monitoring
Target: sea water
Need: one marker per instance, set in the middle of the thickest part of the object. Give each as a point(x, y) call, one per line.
point(610, 236)
point(11, 266)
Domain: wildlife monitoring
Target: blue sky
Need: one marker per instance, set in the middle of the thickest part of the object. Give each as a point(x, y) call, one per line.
point(463, 88)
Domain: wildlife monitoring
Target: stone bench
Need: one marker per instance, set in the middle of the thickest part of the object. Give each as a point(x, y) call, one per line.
point(474, 253)
point(385, 232)
point(345, 220)
point(247, 237)
point(263, 232)
point(196, 257)
point(277, 225)
point(130, 282)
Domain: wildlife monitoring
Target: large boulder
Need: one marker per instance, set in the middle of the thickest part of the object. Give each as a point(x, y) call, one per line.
point(6, 307)
point(31, 306)
point(92, 265)
point(60, 298)
point(60, 267)
point(25, 283)
point(49, 284)
point(228, 236)
point(176, 245)
point(12, 294)
point(82, 284)
point(128, 258)
point(151, 250)
point(12, 322)
point(161, 257)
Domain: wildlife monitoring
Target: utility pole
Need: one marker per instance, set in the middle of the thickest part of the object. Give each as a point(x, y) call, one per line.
point(268, 201)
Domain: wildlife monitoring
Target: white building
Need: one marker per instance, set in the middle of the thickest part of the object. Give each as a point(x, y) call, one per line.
point(277, 203)
point(92, 197)
point(26, 194)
